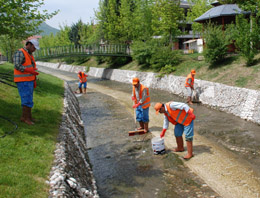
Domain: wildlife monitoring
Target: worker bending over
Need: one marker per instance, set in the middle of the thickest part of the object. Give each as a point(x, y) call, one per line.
point(82, 81)
point(181, 115)
point(141, 98)
point(189, 84)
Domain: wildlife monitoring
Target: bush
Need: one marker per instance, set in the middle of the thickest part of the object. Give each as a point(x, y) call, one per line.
point(142, 52)
point(165, 56)
point(216, 44)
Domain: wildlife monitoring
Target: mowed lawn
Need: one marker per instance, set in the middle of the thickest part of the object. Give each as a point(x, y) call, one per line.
point(27, 153)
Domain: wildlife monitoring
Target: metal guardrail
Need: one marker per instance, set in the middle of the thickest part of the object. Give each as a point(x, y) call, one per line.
point(83, 50)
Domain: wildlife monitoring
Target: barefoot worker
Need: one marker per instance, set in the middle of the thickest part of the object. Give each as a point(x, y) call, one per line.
point(141, 99)
point(189, 84)
point(181, 115)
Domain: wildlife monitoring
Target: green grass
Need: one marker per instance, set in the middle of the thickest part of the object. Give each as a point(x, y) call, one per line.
point(26, 155)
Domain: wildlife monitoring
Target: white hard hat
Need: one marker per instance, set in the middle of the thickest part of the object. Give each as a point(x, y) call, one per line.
point(35, 42)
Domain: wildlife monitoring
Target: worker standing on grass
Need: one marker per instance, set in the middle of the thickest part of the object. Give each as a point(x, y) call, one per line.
point(141, 98)
point(25, 78)
point(82, 81)
point(189, 84)
point(181, 115)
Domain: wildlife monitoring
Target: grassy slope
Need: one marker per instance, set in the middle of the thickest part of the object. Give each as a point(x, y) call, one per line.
point(232, 72)
point(27, 154)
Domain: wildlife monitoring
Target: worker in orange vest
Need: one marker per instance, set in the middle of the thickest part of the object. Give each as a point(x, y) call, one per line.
point(82, 81)
point(180, 115)
point(141, 98)
point(189, 84)
point(25, 78)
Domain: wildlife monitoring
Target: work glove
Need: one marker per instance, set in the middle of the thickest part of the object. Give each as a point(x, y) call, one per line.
point(133, 98)
point(192, 116)
point(163, 133)
point(31, 70)
point(34, 84)
point(136, 105)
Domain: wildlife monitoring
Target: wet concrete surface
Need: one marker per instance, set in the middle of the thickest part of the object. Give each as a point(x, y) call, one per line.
point(238, 135)
point(126, 167)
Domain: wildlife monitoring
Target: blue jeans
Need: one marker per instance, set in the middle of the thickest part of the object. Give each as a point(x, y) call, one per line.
point(84, 84)
point(25, 90)
point(188, 131)
point(142, 115)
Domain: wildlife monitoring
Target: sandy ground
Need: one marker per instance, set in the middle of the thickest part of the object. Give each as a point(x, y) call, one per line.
point(221, 169)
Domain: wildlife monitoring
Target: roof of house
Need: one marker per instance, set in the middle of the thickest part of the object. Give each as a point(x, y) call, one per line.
point(222, 10)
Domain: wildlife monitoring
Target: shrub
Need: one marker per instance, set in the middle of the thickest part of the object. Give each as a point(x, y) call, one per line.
point(142, 52)
point(216, 44)
point(165, 56)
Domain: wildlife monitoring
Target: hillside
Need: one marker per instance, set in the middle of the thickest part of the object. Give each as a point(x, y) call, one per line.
point(47, 30)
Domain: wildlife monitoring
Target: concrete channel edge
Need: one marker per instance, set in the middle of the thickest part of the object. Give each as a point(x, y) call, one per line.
point(241, 102)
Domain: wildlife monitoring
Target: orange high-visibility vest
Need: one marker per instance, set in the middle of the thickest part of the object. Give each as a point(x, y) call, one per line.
point(82, 77)
point(146, 103)
point(187, 79)
point(29, 62)
point(177, 116)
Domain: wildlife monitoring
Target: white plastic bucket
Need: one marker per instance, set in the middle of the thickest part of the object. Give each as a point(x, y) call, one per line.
point(158, 145)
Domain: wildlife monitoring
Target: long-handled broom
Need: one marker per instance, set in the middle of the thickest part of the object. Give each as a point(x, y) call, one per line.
point(136, 131)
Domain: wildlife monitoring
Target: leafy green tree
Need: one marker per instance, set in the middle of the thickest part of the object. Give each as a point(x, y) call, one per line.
point(246, 36)
point(199, 7)
point(93, 34)
point(142, 20)
point(216, 44)
point(62, 37)
point(113, 21)
point(19, 20)
point(126, 15)
point(247, 31)
point(109, 20)
point(166, 18)
point(8, 45)
point(74, 34)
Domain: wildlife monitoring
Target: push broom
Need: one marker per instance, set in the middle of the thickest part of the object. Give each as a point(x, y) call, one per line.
point(136, 131)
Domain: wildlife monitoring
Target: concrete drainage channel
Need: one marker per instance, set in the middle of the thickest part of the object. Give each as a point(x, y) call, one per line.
point(74, 184)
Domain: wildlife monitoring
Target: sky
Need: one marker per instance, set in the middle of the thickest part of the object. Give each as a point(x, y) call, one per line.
point(70, 11)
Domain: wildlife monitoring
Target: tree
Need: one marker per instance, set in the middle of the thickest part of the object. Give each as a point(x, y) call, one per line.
point(247, 31)
point(166, 19)
point(74, 34)
point(142, 20)
point(198, 8)
point(216, 43)
point(19, 20)
point(246, 36)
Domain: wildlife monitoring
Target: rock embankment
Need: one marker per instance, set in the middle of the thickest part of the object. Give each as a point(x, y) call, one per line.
point(244, 103)
point(71, 174)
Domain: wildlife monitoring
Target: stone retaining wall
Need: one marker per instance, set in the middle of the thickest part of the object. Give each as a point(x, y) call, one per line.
point(71, 174)
point(244, 103)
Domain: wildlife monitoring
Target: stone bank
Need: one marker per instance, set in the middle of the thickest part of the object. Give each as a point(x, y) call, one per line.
point(244, 103)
